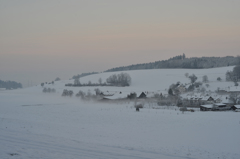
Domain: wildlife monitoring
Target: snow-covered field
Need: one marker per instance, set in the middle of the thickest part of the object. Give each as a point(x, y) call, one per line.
point(42, 125)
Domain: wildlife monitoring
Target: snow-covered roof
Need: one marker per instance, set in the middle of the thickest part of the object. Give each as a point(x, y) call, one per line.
point(219, 104)
point(234, 89)
point(207, 106)
point(116, 95)
point(237, 106)
point(150, 94)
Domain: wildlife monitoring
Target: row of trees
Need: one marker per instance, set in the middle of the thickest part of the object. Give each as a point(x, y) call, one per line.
point(83, 95)
point(67, 92)
point(83, 75)
point(10, 84)
point(48, 90)
point(122, 79)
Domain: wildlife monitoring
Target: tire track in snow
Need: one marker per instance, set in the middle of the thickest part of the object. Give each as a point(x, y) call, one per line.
point(27, 145)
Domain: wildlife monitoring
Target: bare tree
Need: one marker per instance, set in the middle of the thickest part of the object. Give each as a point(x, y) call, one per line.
point(77, 82)
point(193, 78)
point(97, 90)
point(205, 78)
point(122, 79)
point(234, 97)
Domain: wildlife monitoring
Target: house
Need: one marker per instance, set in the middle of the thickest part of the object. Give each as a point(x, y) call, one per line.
point(207, 107)
point(207, 99)
point(114, 95)
point(106, 94)
point(150, 94)
point(220, 107)
point(236, 108)
point(142, 95)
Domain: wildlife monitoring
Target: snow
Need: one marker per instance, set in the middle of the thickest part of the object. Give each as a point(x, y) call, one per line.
point(207, 105)
point(46, 125)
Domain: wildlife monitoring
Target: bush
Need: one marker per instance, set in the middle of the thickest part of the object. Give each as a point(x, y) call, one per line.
point(57, 79)
point(192, 78)
point(80, 94)
point(132, 95)
point(219, 79)
point(48, 90)
point(67, 92)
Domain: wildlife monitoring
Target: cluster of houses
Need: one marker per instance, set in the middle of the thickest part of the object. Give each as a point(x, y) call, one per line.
point(219, 107)
point(116, 95)
point(206, 102)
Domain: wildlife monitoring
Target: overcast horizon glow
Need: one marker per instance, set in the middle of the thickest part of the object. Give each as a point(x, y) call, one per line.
point(42, 40)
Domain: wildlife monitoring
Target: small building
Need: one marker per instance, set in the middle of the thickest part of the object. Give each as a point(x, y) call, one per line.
point(207, 107)
point(114, 95)
point(207, 99)
point(220, 107)
point(236, 108)
point(142, 95)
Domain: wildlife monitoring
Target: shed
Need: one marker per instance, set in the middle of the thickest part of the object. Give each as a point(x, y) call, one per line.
point(207, 107)
point(142, 95)
point(236, 108)
point(220, 107)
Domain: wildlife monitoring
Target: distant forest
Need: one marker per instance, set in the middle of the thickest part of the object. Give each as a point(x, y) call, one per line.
point(10, 84)
point(83, 74)
point(182, 62)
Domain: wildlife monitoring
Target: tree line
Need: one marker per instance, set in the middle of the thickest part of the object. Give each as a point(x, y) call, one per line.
point(121, 79)
point(10, 84)
point(182, 62)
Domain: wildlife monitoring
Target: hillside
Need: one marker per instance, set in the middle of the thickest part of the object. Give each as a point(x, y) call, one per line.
point(46, 125)
point(157, 80)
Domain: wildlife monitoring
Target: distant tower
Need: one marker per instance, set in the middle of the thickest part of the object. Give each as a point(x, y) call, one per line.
point(183, 56)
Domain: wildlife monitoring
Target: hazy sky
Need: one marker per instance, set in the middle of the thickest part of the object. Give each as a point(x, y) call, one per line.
point(44, 39)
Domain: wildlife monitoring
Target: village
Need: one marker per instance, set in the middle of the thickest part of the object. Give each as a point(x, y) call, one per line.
point(220, 100)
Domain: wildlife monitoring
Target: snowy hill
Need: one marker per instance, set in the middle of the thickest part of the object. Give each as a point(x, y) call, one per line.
point(157, 80)
point(46, 125)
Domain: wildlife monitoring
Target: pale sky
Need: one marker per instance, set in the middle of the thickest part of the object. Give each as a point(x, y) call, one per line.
point(44, 39)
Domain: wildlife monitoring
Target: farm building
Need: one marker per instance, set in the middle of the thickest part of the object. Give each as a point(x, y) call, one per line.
point(236, 108)
point(220, 107)
point(142, 95)
point(207, 107)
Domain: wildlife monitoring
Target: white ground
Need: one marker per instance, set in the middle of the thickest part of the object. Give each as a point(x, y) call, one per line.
point(38, 125)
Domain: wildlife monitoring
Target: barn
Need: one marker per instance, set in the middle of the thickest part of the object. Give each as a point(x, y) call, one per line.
point(207, 107)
